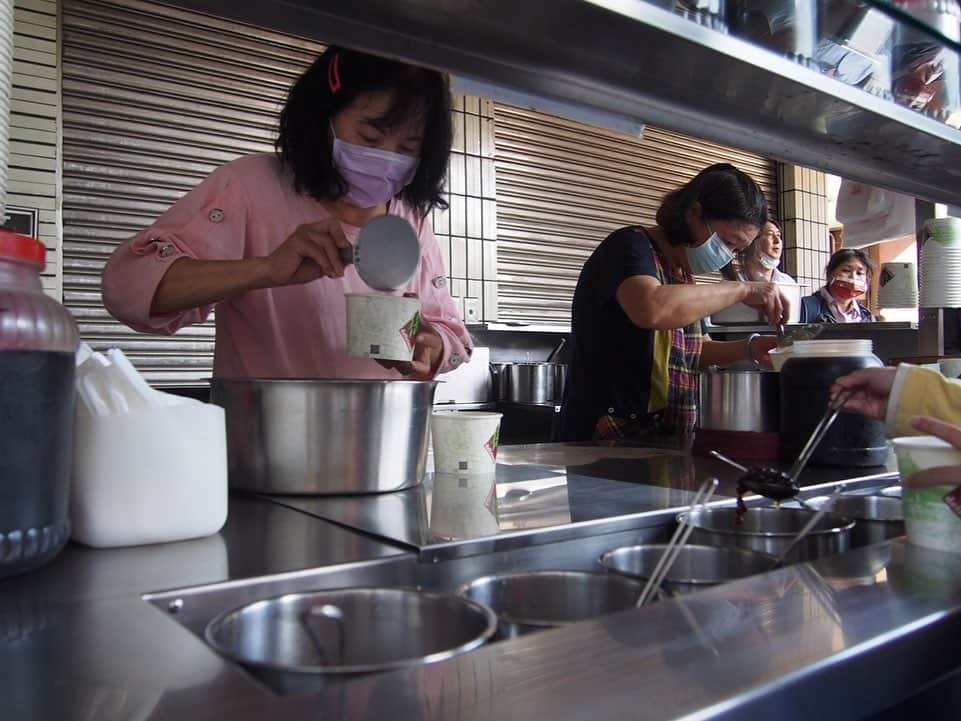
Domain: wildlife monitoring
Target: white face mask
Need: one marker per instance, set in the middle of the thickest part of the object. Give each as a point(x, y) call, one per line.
point(769, 262)
point(710, 256)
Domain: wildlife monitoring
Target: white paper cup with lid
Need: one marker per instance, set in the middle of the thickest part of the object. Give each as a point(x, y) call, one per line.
point(465, 442)
point(382, 326)
point(928, 520)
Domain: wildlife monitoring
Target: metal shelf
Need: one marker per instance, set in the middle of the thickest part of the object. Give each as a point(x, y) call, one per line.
point(633, 59)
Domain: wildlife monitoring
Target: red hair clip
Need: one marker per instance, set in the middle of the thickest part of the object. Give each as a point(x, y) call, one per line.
point(333, 73)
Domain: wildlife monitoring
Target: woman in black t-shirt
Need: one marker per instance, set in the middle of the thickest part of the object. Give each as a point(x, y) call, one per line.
point(636, 321)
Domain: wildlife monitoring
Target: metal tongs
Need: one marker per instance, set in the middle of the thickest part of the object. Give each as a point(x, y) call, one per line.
point(674, 546)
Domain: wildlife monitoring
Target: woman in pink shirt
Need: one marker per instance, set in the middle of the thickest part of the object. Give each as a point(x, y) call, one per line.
point(261, 237)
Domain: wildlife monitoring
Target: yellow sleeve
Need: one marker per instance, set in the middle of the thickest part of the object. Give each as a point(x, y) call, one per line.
point(925, 392)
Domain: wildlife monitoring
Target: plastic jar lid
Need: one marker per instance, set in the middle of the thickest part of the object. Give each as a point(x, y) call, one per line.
point(22, 247)
point(840, 347)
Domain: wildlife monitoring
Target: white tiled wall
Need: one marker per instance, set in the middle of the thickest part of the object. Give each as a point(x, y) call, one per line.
point(467, 230)
point(804, 222)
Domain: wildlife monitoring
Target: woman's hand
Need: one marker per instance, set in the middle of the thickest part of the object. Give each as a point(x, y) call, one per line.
point(768, 299)
point(868, 391)
point(428, 348)
point(312, 251)
point(759, 347)
point(941, 475)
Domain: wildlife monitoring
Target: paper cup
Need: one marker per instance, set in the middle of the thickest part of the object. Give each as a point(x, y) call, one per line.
point(928, 521)
point(950, 368)
point(382, 326)
point(465, 442)
point(463, 506)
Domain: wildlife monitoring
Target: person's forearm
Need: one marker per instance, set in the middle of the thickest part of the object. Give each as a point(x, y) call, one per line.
point(191, 283)
point(724, 353)
point(676, 306)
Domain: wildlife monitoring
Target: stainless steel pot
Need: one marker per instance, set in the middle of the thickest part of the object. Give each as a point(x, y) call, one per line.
point(876, 518)
point(771, 530)
point(739, 401)
point(289, 640)
point(695, 567)
point(526, 602)
point(536, 382)
point(325, 436)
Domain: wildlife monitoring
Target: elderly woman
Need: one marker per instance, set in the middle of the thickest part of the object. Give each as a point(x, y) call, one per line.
point(636, 321)
point(760, 260)
point(848, 275)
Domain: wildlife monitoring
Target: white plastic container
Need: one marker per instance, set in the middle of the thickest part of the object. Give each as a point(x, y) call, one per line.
point(382, 326)
point(155, 475)
point(822, 349)
point(928, 520)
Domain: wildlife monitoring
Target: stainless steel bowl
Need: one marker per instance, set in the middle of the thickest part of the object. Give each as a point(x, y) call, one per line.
point(877, 518)
point(526, 602)
point(771, 530)
point(289, 640)
point(325, 436)
point(694, 568)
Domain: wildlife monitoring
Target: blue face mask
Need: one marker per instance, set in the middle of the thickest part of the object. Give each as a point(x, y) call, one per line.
point(710, 256)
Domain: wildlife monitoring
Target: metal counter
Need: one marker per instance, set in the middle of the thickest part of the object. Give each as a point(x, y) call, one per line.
point(546, 493)
point(839, 639)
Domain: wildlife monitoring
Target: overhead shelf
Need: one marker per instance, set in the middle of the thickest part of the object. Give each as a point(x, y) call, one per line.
point(635, 60)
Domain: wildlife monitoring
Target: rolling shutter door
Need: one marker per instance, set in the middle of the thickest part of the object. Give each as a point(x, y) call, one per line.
point(154, 99)
point(563, 186)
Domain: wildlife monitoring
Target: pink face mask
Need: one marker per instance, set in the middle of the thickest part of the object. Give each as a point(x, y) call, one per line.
point(373, 176)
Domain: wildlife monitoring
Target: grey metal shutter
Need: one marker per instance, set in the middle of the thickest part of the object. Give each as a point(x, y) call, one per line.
point(562, 186)
point(154, 99)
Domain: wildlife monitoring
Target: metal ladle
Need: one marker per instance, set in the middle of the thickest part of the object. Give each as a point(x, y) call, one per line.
point(781, 490)
point(385, 253)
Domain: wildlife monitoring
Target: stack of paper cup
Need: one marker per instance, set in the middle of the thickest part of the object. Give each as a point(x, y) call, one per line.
point(928, 519)
point(465, 442)
point(941, 263)
point(898, 286)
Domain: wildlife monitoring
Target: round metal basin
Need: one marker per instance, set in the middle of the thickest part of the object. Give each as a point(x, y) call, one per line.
point(771, 530)
point(526, 602)
point(877, 518)
point(349, 631)
point(695, 566)
point(325, 437)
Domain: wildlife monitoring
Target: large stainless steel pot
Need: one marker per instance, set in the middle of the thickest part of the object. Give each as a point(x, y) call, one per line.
point(526, 602)
point(536, 382)
point(876, 518)
point(325, 436)
point(695, 567)
point(290, 640)
point(770, 530)
point(739, 401)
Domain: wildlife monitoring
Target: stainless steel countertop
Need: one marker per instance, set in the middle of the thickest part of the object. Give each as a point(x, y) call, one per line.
point(835, 640)
point(546, 493)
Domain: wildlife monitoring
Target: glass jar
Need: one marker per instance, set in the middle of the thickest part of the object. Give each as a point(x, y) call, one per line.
point(38, 343)
point(806, 380)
